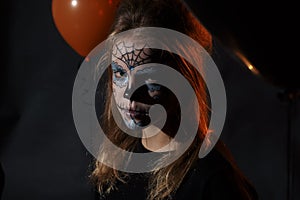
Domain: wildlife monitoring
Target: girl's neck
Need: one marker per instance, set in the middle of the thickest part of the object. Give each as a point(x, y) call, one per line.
point(156, 140)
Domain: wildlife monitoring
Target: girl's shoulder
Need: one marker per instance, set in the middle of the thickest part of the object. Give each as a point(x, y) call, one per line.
point(214, 177)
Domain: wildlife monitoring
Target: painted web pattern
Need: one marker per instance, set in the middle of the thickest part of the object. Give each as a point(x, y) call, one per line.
point(132, 56)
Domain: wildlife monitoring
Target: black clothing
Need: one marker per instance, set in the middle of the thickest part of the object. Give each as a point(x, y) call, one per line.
point(1, 180)
point(211, 178)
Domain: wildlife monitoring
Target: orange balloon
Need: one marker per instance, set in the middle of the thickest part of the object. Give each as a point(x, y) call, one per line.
point(84, 23)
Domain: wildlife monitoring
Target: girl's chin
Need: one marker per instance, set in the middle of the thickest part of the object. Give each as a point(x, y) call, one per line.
point(136, 123)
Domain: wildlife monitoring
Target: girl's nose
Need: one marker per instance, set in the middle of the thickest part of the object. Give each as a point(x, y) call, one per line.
point(130, 87)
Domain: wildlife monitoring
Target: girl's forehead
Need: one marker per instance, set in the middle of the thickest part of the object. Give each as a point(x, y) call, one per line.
point(130, 53)
point(130, 46)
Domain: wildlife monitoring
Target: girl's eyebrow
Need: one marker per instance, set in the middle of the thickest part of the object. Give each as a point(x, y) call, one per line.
point(114, 64)
point(146, 70)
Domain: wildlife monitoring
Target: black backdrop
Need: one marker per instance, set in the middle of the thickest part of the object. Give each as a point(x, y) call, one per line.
point(41, 153)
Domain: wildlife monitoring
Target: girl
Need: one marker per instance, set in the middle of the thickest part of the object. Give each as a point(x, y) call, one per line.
point(215, 176)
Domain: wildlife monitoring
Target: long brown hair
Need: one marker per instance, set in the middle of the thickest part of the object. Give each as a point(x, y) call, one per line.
point(172, 14)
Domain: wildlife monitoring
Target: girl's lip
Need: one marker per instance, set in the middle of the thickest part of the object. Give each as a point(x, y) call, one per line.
point(136, 113)
point(126, 109)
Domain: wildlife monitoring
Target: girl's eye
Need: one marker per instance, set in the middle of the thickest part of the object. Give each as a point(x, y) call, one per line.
point(119, 73)
point(152, 87)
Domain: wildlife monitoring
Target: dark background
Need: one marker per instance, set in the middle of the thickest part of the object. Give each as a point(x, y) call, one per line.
point(40, 151)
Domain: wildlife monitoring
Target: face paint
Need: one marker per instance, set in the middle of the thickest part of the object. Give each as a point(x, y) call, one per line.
point(154, 90)
point(131, 56)
point(120, 76)
point(129, 69)
point(153, 87)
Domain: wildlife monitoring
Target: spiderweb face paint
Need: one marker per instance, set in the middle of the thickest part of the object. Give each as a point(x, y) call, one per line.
point(131, 56)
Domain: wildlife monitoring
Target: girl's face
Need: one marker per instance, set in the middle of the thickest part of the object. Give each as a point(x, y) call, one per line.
point(131, 68)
